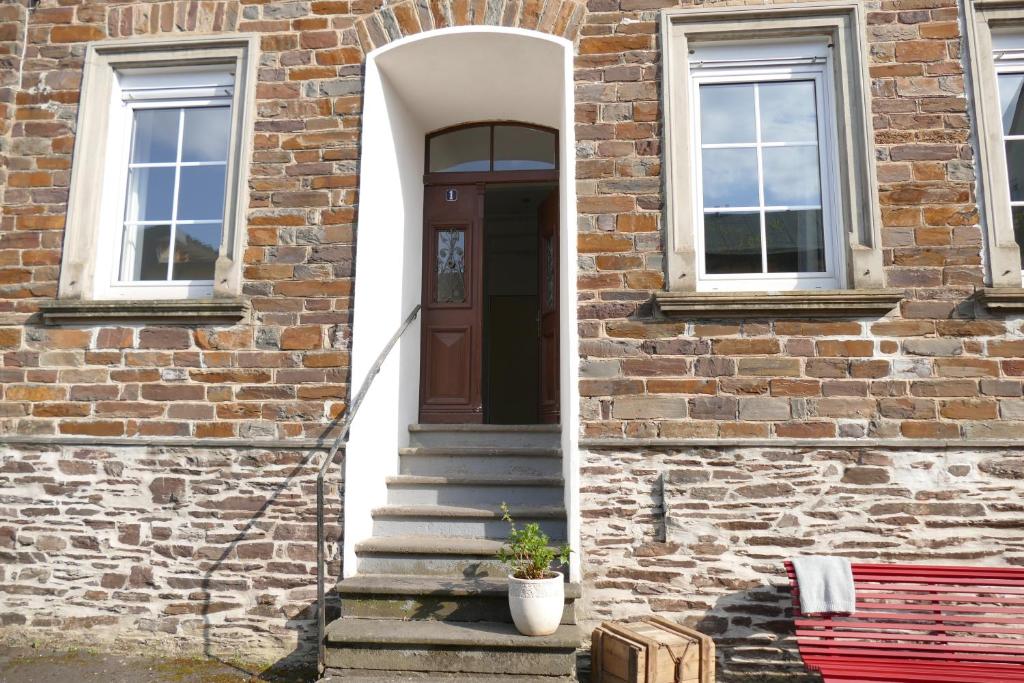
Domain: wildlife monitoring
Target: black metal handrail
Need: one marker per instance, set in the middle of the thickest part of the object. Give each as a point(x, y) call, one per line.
point(335, 447)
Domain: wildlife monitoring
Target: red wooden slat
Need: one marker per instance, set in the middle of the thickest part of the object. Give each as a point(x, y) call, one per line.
point(944, 618)
point(915, 638)
point(837, 625)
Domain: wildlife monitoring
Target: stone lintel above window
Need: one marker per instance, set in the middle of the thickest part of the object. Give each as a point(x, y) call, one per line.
point(838, 24)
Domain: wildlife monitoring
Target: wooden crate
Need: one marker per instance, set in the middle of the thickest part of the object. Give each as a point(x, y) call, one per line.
point(653, 650)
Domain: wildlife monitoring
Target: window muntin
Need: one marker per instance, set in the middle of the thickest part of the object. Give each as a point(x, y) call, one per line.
point(167, 183)
point(1009, 63)
point(486, 147)
point(766, 198)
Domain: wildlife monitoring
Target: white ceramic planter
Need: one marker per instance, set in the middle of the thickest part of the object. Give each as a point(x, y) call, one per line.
point(536, 605)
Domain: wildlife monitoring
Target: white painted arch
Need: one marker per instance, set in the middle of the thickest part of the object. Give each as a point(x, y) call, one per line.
point(412, 87)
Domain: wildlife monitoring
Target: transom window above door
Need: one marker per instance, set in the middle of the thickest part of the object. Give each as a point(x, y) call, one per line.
point(764, 153)
point(491, 147)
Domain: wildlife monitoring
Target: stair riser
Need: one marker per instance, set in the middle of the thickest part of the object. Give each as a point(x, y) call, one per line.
point(486, 466)
point(363, 676)
point(455, 566)
point(486, 497)
point(484, 661)
point(454, 439)
point(416, 607)
point(454, 527)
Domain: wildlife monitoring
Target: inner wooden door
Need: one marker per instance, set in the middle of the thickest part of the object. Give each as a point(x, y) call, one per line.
point(450, 359)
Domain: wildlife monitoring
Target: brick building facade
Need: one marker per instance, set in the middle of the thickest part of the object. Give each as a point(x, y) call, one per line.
point(156, 469)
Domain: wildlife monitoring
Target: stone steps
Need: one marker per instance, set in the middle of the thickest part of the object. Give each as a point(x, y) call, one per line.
point(387, 645)
point(463, 522)
point(488, 492)
point(389, 596)
point(481, 462)
point(430, 599)
point(466, 436)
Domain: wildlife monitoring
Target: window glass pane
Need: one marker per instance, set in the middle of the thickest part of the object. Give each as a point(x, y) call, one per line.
point(1018, 230)
point(201, 193)
point(795, 241)
point(732, 243)
point(467, 149)
point(726, 114)
point(791, 176)
point(451, 266)
point(518, 148)
point(150, 194)
point(788, 112)
point(1011, 103)
point(730, 177)
point(155, 138)
point(1015, 168)
point(195, 251)
point(206, 134)
point(147, 252)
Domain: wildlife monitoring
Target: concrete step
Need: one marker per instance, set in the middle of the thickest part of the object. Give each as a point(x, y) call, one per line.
point(463, 522)
point(486, 462)
point(487, 492)
point(355, 676)
point(430, 555)
point(369, 645)
point(377, 677)
point(466, 436)
point(389, 596)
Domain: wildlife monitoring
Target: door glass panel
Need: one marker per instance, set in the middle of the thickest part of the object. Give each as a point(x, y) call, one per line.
point(451, 266)
point(463, 150)
point(518, 148)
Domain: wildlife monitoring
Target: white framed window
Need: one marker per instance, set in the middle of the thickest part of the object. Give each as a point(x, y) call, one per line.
point(995, 60)
point(771, 183)
point(1008, 55)
point(158, 193)
point(764, 158)
point(170, 133)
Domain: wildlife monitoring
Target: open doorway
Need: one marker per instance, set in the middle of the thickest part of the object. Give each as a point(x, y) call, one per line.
point(512, 310)
point(490, 344)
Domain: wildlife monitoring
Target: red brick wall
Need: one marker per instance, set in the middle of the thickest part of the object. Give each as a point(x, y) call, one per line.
point(932, 371)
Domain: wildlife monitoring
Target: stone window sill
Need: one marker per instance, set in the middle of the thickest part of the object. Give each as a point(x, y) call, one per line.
point(851, 303)
point(193, 311)
point(999, 299)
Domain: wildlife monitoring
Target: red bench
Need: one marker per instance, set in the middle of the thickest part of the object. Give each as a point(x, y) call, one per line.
point(920, 624)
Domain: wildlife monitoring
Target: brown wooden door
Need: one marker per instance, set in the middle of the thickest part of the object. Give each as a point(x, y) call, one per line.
point(548, 290)
point(450, 359)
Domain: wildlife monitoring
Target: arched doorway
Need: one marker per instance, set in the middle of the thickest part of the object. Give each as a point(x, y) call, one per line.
point(490, 305)
point(413, 87)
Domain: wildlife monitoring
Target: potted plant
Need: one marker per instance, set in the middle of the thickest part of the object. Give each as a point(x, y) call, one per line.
point(536, 593)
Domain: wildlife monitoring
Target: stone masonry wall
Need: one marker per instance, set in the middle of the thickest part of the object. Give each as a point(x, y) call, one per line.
point(937, 367)
point(700, 534)
point(204, 550)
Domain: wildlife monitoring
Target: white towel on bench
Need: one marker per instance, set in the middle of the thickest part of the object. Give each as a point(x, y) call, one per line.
point(826, 585)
